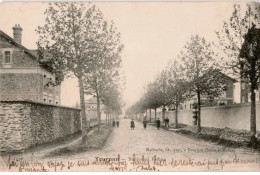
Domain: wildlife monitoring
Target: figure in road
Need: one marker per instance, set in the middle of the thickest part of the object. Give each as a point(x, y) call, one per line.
point(132, 124)
point(114, 123)
point(158, 123)
point(117, 123)
point(145, 123)
point(167, 121)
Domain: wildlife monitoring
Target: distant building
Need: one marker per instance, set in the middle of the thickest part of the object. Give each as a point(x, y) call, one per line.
point(22, 77)
point(91, 110)
point(227, 97)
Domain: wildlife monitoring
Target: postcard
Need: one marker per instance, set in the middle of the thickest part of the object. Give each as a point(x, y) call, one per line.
point(129, 86)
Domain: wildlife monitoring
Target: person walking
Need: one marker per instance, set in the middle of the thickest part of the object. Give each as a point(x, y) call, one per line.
point(114, 123)
point(117, 123)
point(167, 121)
point(145, 123)
point(158, 123)
point(132, 124)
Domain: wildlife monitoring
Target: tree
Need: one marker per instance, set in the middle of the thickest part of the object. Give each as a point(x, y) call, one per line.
point(105, 62)
point(69, 37)
point(153, 96)
point(111, 97)
point(178, 88)
point(235, 38)
point(250, 63)
point(162, 89)
point(198, 65)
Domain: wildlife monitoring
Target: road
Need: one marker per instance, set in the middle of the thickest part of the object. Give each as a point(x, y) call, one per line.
point(172, 146)
point(166, 151)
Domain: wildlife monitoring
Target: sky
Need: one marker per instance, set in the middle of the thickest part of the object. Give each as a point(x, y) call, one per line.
point(153, 33)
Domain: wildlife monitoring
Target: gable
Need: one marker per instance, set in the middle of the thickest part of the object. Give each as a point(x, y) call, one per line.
point(21, 56)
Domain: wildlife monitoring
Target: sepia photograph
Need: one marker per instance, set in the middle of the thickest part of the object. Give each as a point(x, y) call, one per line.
point(130, 86)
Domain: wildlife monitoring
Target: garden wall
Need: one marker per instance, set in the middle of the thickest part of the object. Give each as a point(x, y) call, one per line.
point(26, 123)
point(234, 116)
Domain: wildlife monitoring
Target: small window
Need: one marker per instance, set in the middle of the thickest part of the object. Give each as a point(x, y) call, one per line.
point(44, 98)
point(7, 57)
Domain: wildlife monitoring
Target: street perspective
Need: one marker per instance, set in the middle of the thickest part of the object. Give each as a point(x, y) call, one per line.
point(129, 86)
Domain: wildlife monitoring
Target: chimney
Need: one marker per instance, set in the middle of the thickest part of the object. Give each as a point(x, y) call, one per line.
point(17, 32)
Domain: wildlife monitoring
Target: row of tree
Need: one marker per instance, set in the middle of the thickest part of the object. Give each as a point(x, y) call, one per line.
point(196, 71)
point(77, 41)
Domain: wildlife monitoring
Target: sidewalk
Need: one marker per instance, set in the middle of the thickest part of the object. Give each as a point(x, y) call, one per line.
point(224, 136)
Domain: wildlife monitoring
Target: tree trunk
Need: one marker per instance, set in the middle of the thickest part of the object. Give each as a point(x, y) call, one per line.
point(163, 113)
point(253, 111)
point(199, 127)
point(176, 115)
point(150, 110)
point(155, 114)
point(83, 112)
point(98, 112)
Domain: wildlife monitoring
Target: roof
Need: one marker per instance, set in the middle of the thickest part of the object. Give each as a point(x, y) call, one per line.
point(224, 75)
point(32, 53)
point(17, 44)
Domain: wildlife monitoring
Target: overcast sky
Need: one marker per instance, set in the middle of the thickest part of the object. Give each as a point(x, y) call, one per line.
point(152, 32)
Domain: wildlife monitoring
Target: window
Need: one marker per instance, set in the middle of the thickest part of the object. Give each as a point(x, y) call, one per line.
point(7, 57)
point(50, 99)
point(56, 100)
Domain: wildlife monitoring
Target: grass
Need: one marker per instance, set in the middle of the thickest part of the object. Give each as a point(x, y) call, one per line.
point(224, 136)
point(96, 140)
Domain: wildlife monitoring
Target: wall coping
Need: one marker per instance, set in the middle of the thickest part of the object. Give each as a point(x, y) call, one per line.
point(219, 107)
point(36, 102)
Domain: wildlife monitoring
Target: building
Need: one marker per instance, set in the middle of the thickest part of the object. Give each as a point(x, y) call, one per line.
point(22, 76)
point(226, 98)
point(91, 110)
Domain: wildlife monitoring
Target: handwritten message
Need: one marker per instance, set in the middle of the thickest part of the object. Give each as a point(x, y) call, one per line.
point(133, 163)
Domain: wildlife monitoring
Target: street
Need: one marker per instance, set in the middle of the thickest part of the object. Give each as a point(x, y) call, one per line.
point(168, 145)
point(146, 150)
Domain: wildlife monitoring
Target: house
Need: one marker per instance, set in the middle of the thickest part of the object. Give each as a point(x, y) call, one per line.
point(91, 110)
point(226, 98)
point(22, 76)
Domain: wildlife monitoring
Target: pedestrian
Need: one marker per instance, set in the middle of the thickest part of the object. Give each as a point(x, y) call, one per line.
point(167, 121)
point(145, 123)
point(117, 123)
point(132, 124)
point(114, 123)
point(158, 123)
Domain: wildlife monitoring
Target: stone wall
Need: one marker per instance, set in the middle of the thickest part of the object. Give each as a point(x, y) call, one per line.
point(26, 123)
point(235, 116)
